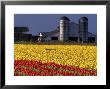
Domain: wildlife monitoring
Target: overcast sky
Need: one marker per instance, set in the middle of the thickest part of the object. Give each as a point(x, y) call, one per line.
point(48, 22)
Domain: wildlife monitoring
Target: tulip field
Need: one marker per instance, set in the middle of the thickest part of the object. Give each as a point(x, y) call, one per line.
point(55, 60)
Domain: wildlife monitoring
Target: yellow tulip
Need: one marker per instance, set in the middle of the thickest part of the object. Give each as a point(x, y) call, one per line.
point(71, 55)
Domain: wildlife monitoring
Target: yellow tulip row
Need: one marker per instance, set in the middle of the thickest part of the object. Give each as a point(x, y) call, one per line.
point(71, 55)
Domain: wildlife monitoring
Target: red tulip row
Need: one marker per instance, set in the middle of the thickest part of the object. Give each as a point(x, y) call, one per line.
point(37, 68)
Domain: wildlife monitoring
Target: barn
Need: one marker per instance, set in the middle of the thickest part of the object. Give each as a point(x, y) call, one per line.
point(69, 31)
point(20, 34)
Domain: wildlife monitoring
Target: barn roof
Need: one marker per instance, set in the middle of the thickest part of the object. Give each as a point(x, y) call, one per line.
point(21, 29)
point(91, 33)
point(46, 34)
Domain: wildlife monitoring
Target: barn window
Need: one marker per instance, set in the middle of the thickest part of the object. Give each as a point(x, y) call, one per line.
point(54, 38)
point(73, 39)
point(91, 39)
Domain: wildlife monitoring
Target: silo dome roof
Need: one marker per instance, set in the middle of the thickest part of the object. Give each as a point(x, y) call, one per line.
point(83, 19)
point(64, 18)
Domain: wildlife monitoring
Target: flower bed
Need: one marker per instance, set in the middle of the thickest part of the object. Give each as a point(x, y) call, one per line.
point(37, 68)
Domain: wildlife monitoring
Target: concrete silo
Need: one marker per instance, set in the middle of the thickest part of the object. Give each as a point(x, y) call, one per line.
point(64, 28)
point(83, 29)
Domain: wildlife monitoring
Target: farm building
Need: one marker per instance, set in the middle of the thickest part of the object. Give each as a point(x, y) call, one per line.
point(69, 31)
point(21, 35)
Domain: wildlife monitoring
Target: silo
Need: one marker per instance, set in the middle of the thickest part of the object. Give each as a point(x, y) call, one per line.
point(64, 28)
point(83, 29)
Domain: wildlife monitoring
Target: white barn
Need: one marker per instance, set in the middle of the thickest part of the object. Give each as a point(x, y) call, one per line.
point(69, 31)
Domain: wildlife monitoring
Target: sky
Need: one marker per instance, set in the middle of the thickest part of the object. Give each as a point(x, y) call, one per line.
point(48, 22)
